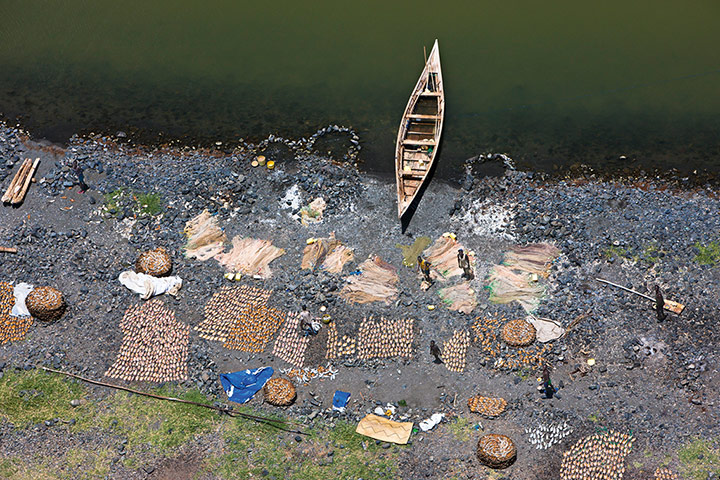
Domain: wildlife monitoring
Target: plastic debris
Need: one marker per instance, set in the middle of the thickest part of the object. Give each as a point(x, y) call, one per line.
point(429, 424)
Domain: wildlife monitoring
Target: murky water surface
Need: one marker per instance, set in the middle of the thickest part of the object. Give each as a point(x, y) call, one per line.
point(550, 83)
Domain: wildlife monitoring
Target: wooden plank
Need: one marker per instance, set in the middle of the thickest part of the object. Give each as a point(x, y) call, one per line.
point(424, 117)
point(8, 250)
point(21, 195)
point(16, 181)
point(428, 142)
point(430, 94)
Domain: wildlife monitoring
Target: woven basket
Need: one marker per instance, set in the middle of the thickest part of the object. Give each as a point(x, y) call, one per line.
point(496, 451)
point(518, 333)
point(46, 303)
point(487, 406)
point(154, 262)
point(279, 392)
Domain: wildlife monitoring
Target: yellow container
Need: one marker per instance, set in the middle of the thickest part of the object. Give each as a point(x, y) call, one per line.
point(254, 163)
point(270, 165)
point(261, 160)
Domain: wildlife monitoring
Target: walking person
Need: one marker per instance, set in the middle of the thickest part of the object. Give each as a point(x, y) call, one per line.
point(659, 304)
point(435, 351)
point(464, 263)
point(80, 176)
point(547, 387)
point(424, 267)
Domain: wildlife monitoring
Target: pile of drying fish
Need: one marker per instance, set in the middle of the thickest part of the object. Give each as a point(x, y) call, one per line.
point(487, 406)
point(279, 392)
point(546, 435)
point(227, 306)
point(290, 344)
point(487, 336)
point(385, 338)
point(254, 329)
point(12, 328)
point(454, 353)
point(663, 473)
point(339, 347)
point(304, 375)
point(597, 457)
point(154, 346)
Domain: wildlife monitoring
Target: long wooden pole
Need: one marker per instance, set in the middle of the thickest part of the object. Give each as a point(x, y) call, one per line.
point(12, 189)
point(669, 304)
point(232, 413)
point(8, 250)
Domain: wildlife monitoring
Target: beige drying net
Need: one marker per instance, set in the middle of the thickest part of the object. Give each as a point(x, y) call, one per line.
point(205, 237)
point(250, 256)
point(376, 283)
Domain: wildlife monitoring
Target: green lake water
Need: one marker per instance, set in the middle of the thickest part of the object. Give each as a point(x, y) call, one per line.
point(552, 84)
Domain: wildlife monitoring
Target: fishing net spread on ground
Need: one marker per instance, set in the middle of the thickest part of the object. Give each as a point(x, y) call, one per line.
point(385, 338)
point(442, 256)
point(460, 297)
point(154, 346)
point(327, 254)
point(205, 237)
point(291, 344)
point(454, 354)
point(493, 350)
point(376, 283)
point(507, 286)
point(411, 252)
point(226, 307)
point(337, 346)
point(250, 256)
point(12, 328)
point(597, 457)
point(313, 213)
point(534, 258)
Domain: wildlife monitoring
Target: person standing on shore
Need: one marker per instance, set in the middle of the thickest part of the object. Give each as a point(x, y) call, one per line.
point(464, 263)
point(547, 387)
point(659, 304)
point(80, 176)
point(435, 351)
point(424, 267)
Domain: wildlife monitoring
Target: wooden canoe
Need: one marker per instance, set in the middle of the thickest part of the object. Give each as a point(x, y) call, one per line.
point(419, 134)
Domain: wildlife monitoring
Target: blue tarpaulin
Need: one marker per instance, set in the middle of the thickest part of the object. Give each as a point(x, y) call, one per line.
point(241, 386)
point(340, 400)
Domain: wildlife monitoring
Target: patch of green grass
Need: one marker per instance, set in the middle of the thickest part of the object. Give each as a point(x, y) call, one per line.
point(708, 254)
point(461, 429)
point(82, 464)
point(8, 467)
point(698, 458)
point(250, 449)
point(150, 204)
point(160, 424)
point(595, 418)
point(30, 397)
point(651, 253)
point(614, 251)
point(114, 199)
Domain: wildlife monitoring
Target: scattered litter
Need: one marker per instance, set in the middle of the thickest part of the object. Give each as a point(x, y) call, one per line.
point(375, 284)
point(20, 292)
point(442, 256)
point(429, 423)
point(385, 338)
point(340, 401)
point(496, 451)
point(226, 307)
point(304, 375)
point(487, 406)
point(546, 330)
point(455, 351)
point(545, 435)
point(385, 430)
point(154, 346)
point(313, 213)
point(290, 344)
point(148, 286)
point(386, 411)
point(205, 237)
point(250, 256)
point(591, 362)
point(459, 297)
point(279, 392)
point(597, 457)
point(241, 386)
point(411, 252)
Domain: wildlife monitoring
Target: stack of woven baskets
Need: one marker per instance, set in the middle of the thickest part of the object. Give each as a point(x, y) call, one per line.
point(46, 303)
point(279, 392)
point(154, 262)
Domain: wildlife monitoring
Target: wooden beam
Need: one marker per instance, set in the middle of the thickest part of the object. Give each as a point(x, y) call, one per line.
point(21, 195)
point(8, 250)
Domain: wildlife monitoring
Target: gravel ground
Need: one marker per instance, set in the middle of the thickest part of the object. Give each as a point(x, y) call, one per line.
point(658, 379)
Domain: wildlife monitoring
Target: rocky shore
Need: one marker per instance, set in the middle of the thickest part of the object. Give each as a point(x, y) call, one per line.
point(658, 380)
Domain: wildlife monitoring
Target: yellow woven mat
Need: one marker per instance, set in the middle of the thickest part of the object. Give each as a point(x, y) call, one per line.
point(384, 430)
